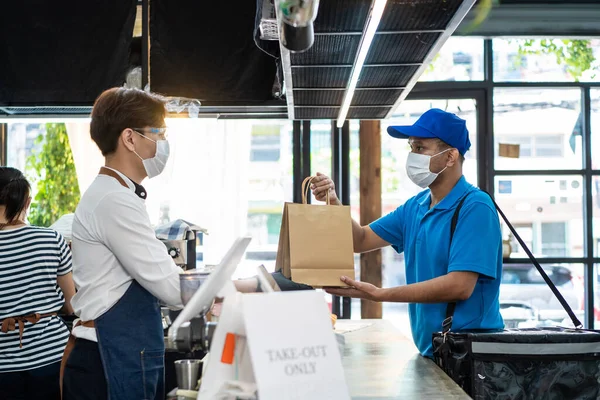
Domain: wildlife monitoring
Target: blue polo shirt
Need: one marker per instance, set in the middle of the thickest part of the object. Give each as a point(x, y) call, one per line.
point(423, 234)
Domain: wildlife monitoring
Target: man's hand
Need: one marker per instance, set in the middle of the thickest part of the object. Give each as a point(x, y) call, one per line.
point(320, 185)
point(359, 290)
point(454, 286)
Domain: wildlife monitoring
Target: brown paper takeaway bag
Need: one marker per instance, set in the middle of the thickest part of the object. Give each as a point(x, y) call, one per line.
point(315, 243)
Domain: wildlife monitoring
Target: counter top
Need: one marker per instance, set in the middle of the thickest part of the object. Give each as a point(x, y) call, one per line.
point(382, 364)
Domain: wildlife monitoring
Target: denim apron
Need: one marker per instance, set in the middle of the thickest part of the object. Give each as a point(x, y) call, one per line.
point(130, 341)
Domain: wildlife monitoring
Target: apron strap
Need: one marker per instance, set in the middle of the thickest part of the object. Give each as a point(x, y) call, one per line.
point(113, 174)
point(68, 349)
point(10, 323)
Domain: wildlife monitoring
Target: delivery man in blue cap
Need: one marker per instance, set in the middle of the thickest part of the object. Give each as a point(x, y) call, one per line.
point(467, 270)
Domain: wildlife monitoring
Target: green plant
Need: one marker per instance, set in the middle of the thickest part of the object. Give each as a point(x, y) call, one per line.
point(431, 66)
point(53, 177)
point(482, 11)
point(577, 55)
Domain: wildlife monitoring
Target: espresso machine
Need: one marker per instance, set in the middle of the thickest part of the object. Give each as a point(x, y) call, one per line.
point(181, 239)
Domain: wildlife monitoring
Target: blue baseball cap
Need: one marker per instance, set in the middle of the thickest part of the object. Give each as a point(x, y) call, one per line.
point(435, 123)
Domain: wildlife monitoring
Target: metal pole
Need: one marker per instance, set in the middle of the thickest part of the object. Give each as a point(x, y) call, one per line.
point(305, 153)
point(486, 159)
point(588, 209)
point(297, 161)
point(336, 173)
point(145, 43)
point(3, 144)
point(345, 194)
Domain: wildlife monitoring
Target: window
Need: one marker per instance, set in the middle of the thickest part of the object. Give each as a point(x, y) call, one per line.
point(551, 146)
point(546, 123)
point(43, 152)
point(525, 231)
point(554, 239)
point(460, 59)
point(546, 210)
point(320, 147)
point(596, 296)
point(22, 142)
point(230, 177)
point(595, 125)
point(543, 60)
point(265, 145)
point(526, 301)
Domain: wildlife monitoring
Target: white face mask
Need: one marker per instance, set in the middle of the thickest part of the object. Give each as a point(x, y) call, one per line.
point(417, 168)
point(156, 165)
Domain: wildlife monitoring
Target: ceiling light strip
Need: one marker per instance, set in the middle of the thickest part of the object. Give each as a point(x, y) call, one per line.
point(373, 20)
point(287, 80)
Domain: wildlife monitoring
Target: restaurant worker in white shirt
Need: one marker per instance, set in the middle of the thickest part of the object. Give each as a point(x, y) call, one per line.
point(121, 270)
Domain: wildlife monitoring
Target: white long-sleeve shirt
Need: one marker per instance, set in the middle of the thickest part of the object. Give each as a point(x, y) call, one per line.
point(113, 244)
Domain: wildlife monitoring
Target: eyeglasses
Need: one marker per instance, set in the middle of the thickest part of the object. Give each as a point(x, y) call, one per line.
point(162, 132)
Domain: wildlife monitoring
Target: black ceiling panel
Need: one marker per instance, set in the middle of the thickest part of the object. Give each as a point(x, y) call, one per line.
point(368, 112)
point(375, 97)
point(330, 49)
point(401, 48)
point(321, 77)
point(316, 112)
point(318, 97)
point(416, 15)
point(342, 15)
point(407, 33)
point(385, 77)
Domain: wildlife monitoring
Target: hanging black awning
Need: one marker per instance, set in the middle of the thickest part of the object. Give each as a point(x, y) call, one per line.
point(62, 53)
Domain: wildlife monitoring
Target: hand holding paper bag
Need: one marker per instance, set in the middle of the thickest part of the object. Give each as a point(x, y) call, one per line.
point(315, 243)
point(322, 186)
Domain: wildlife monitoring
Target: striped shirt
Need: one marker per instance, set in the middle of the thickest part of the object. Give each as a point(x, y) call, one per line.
point(31, 258)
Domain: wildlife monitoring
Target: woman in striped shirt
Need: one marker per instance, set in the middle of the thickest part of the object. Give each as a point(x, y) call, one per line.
point(35, 284)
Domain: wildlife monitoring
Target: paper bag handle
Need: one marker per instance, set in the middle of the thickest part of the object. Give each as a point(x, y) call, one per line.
point(306, 189)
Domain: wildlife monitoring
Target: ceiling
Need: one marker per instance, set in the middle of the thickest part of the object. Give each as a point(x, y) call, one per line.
point(218, 61)
point(195, 56)
point(407, 38)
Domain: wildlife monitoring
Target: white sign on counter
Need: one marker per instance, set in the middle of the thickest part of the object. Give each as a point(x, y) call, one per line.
point(293, 348)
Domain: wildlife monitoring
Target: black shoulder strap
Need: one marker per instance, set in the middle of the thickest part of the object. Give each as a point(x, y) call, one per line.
point(537, 265)
point(455, 216)
point(447, 324)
